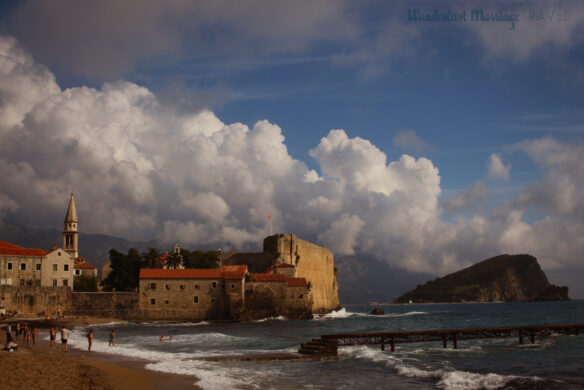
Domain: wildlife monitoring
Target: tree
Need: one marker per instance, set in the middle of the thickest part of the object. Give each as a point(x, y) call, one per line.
point(85, 283)
point(151, 258)
point(200, 259)
point(125, 271)
point(174, 260)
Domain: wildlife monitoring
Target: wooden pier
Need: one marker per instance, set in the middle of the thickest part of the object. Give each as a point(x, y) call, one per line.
point(327, 345)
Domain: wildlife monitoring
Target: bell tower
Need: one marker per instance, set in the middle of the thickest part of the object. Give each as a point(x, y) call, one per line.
point(70, 234)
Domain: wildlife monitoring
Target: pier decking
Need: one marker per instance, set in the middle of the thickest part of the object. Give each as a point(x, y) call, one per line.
point(327, 345)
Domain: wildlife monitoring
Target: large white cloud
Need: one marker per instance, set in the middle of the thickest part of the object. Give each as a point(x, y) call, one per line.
point(141, 169)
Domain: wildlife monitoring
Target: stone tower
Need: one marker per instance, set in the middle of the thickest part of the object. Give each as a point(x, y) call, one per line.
point(70, 234)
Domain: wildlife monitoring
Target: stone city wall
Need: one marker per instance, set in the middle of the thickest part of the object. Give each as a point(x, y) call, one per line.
point(35, 299)
point(123, 305)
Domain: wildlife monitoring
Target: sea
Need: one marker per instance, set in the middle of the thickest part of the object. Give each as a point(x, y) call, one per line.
point(555, 362)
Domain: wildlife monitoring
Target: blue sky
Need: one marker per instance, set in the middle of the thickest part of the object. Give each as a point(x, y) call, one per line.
point(497, 111)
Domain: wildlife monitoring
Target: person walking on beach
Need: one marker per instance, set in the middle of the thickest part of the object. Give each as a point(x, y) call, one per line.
point(64, 337)
point(52, 336)
point(35, 335)
point(112, 339)
point(89, 340)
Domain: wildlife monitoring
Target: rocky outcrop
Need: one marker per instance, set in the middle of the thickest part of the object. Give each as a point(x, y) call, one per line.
point(507, 278)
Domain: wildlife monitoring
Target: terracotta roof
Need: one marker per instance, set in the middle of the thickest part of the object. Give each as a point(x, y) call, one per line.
point(4, 244)
point(7, 248)
point(284, 265)
point(227, 272)
point(84, 266)
point(297, 282)
point(231, 272)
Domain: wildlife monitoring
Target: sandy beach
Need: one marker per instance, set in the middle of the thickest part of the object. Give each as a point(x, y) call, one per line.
point(37, 367)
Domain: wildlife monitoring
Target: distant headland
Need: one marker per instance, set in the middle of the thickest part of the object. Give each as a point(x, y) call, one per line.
point(504, 278)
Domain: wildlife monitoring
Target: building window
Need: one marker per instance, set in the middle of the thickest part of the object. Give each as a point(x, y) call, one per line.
point(300, 296)
point(66, 267)
point(152, 286)
point(38, 267)
point(196, 286)
point(23, 266)
point(58, 253)
point(77, 272)
point(22, 282)
point(212, 300)
point(196, 299)
point(166, 302)
point(152, 301)
point(233, 286)
point(54, 282)
point(182, 286)
point(55, 267)
point(167, 286)
point(9, 266)
point(65, 282)
point(214, 284)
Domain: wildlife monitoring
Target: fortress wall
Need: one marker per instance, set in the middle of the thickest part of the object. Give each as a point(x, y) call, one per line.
point(313, 262)
point(35, 299)
point(105, 304)
point(272, 299)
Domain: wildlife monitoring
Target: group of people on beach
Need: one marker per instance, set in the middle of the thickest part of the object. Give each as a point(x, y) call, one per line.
point(21, 332)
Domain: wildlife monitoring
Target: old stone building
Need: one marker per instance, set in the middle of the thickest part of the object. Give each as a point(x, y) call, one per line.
point(35, 267)
point(288, 255)
point(226, 293)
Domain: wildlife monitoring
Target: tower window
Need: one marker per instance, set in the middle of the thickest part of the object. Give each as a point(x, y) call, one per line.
point(196, 299)
point(38, 267)
point(152, 301)
point(23, 266)
point(9, 265)
point(214, 284)
point(65, 267)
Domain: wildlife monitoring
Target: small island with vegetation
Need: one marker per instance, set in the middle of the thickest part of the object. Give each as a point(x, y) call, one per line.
point(504, 278)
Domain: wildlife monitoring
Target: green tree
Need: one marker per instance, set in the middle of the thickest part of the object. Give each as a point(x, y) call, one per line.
point(174, 260)
point(85, 283)
point(200, 259)
point(125, 271)
point(151, 258)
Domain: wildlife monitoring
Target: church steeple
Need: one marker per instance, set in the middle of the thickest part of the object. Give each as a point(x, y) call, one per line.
point(70, 234)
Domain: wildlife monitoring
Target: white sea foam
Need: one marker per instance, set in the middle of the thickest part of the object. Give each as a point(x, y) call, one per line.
point(175, 324)
point(279, 318)
point(341, 313)
point(462, 380)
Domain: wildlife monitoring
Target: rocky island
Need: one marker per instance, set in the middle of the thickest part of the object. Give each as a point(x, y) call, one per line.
point(507, 278)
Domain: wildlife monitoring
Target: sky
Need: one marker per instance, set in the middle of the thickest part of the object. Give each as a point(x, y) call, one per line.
point(426, 135)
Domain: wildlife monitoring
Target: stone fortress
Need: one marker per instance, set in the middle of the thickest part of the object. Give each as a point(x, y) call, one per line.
point(291, 277)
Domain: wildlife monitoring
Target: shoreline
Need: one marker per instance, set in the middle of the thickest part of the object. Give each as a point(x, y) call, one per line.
point(37, 367)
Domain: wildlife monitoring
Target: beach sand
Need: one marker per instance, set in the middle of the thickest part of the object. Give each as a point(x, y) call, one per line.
point(36, 367)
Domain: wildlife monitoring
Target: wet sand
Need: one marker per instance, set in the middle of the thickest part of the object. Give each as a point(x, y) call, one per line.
point(37, 367)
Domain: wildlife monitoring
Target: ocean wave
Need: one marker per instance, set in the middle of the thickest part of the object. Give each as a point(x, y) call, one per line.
point(174, 324)
point(341, 313)
point(279, 318)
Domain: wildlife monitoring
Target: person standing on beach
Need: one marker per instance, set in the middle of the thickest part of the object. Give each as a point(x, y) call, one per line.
point(35, 335)
point(112, 339)
point(64, 337)
point(89, 339)
point(52, 337)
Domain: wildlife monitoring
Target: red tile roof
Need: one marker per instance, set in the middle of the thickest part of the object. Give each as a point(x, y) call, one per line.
point(7, 248)
point(227, 272)
point(84, 266)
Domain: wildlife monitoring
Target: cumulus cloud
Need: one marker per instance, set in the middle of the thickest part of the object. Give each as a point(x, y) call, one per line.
point(409, 140)
point(141, 169)
point(469, 199)
point(496, 168)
